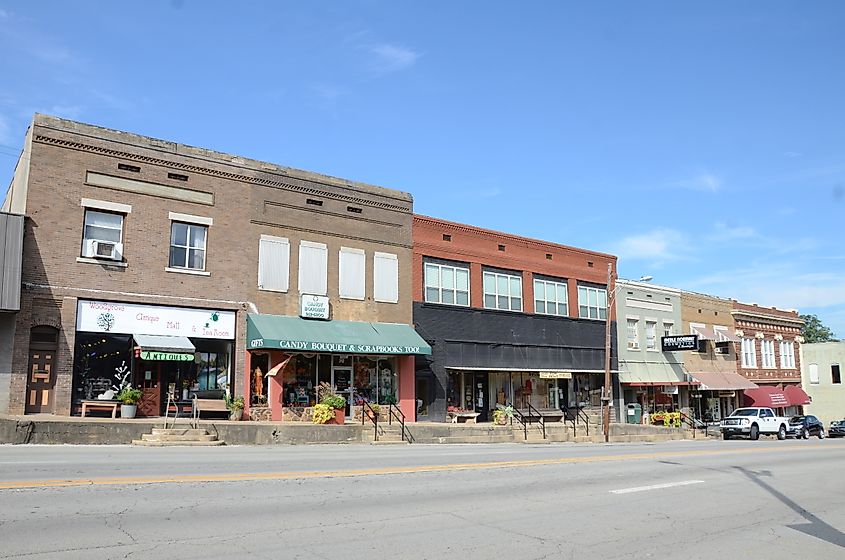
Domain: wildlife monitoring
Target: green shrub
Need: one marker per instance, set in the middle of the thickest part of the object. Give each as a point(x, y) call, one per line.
point(334, 401)
point(128, 395)
point(322, 413)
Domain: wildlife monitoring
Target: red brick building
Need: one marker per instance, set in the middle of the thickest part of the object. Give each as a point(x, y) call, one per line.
point(511, 320)
point(768, 354)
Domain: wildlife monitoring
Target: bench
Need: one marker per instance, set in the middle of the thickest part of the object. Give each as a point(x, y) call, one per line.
point(209, 401)
point(547, 414)
point(467, 417)
point(100, 405)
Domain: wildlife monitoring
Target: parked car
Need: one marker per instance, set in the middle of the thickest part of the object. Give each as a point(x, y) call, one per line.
point(752, 421)
point(805, 426)
point(837, 428)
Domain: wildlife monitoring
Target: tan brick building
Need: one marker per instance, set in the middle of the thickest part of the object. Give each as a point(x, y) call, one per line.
point(152, 257)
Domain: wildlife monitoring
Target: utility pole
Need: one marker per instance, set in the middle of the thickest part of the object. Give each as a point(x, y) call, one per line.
point(607, 396)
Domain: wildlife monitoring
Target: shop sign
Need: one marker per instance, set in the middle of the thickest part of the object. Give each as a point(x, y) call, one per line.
point(670, 390)
point(679, 342)
point(130, 318)
point(555, 375)
point(727, 394)
point(166, 356)
point(314, 307)
point(337, 348)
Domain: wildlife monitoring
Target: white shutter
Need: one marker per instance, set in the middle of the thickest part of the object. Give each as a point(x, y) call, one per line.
point(352, 273)
point(313, 268)
point(273, 263)
point(814, 374)
point(386, 278)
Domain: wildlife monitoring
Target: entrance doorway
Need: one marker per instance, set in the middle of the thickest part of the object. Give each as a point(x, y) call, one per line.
point(342, 383)
point(151, 387)
point(480, 388)
point(41, 374)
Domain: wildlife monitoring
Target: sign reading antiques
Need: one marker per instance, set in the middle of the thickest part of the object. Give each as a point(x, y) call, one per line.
point(314, 307)
point(679, 342)
point(167, 356)
point(131, 318)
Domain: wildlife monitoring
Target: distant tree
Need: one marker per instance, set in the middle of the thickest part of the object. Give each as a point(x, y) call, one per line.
point(814, 331)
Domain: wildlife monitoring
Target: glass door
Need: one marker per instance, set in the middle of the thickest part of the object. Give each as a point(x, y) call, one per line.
point(342, 383)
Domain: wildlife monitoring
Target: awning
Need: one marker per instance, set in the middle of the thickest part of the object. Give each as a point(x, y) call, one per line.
point(651, 373)
point(494, 369)
point(766, 395)
point(162, 343)
point(704, 333)
point(339, 337)
point(796, 395)
point(722, 381)
point(726, 336)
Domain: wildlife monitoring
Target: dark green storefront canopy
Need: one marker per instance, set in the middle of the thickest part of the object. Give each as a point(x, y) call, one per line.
point(339, 337)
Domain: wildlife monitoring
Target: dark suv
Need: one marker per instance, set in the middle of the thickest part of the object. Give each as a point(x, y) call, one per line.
point(806, 426)
point(837, 428)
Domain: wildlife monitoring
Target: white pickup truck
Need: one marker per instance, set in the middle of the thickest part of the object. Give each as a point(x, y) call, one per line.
point(753, 421)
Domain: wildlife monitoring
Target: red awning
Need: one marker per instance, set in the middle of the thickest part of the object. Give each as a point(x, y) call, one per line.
point(763, 395)
point(796, 395)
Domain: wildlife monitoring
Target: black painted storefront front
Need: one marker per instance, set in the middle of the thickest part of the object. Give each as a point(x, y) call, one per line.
point(478, 341)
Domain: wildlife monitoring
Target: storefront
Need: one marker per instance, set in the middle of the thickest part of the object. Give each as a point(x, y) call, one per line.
point(658, 386)
point(161, 350)
point(290, 358)
point(718, 394)
point(786, 399)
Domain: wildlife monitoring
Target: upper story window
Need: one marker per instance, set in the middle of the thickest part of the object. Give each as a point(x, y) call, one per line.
point(592, 303)
point(668, 328)
point(835, 376)
point(633, 334)
point(313, 268)
point(102, 236)
point(767, 350)
point(787, 354)
point(813, 370)
point(447, 284)
point(550, 298)
point(273, 263)
point(187, 246)
point(352, 273)
point(502, 291)
point(749, 353)
point(386, 277)
point(651, 335)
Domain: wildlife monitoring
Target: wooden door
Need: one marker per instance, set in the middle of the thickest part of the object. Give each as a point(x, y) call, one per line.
point(150, 404)
point(41, 381)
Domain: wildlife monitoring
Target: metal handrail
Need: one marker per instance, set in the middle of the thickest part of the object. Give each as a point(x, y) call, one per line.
point(392, 410)
point(521, 419)
point(583, 415)
point(195, 412)
point(365, 404)
point(685, 419)
point(571, 418)
point(541, 420)
point(167, 411)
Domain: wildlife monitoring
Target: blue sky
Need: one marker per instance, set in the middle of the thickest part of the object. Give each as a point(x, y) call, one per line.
point(702, 142)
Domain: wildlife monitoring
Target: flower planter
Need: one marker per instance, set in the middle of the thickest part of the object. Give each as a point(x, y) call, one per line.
point(236, 414)
point(339, 417)
point(128, 410)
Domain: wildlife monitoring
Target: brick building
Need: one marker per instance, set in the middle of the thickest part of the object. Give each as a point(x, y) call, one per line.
point(154, 262)
point(769, 355)
point(511, 320)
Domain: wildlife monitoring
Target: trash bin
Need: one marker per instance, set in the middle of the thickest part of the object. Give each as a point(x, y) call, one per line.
point(634, 413)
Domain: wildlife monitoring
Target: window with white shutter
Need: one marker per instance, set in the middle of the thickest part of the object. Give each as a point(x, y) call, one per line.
point(352, 273)
point(313, 268)
point(386, 278)
point(273, 263)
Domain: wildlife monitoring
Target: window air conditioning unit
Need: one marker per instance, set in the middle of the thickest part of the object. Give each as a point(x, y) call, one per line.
point(723, 348)
point(108, 250)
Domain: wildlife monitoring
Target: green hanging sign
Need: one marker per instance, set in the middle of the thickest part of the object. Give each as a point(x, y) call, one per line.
point(166, 356)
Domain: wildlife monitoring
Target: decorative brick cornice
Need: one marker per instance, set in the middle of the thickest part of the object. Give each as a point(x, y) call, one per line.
point(222, 174)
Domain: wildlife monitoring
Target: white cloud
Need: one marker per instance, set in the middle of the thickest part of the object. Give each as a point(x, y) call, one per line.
point(658, 246)
point(725, 232)
point(391, 58)
point(706, 182)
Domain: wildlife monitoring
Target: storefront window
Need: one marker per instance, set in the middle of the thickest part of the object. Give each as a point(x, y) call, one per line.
point(375, 379)
point(212, 366)
point(102, 362)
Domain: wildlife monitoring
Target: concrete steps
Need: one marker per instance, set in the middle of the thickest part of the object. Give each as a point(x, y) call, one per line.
point(171, 437)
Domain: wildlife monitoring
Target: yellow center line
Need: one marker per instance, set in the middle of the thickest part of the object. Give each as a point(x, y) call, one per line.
point(240, 477)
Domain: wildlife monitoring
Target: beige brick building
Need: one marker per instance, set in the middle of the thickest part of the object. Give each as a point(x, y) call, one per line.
point(129, 237)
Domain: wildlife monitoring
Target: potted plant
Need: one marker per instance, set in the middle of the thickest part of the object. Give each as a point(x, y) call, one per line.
point(338, 406)
point(502, 414)
point(234, 406)
point(129, 398)
point(322, 414)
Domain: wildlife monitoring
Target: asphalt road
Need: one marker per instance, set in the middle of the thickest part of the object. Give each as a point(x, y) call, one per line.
point(736, 500)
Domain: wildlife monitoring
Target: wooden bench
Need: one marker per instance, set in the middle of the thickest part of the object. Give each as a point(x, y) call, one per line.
point(467, 417)
point(100, 405)
point(547, 414)
point(211, 405)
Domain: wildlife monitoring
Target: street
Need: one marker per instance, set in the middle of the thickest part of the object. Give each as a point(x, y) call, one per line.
point(685, 499)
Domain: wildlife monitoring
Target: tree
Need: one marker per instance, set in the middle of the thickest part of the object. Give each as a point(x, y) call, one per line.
point(814, 331)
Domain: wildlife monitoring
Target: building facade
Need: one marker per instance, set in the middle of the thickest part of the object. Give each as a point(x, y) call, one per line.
point(654, 378)
point(151, 262)
point(769, 355)
point(718, 388)
point(822, 364)
point(511, 320)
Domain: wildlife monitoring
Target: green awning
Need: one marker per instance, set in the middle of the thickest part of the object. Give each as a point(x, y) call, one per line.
point(338, 337)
